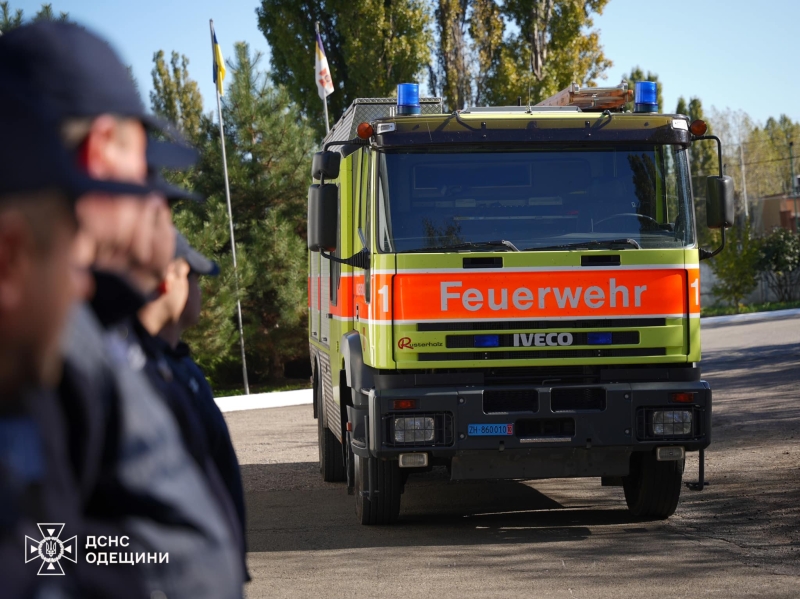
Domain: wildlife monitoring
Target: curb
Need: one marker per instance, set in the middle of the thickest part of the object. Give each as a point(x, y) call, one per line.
point(258, 401)
point(774, 315)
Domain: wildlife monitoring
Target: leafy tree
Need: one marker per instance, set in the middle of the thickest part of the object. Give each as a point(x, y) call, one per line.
point(702, 163)
point(779, 263)
point(371, 46)
point(736, 267)
point(637, 74)
point(703, 155)
point(452, 51)
point(175, 96)
point(12, 18)
point(553, 47)
point(486, 28)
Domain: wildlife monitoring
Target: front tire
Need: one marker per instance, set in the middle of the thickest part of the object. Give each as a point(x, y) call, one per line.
point(653, 488)
point(384, 507)
point(331, 460)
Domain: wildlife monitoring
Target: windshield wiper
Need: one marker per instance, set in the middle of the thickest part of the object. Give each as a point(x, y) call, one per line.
point(466, 246)
point(587, 244)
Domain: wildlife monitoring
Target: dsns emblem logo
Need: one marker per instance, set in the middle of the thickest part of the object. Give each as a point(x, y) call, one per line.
point(50, 549)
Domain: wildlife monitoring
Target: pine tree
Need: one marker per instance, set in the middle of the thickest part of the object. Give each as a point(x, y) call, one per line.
point(268, 146)
point(12, 18)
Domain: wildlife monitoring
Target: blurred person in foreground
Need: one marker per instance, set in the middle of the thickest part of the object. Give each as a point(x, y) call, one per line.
point(164, 321)
point(136, 476)
point(38, 287)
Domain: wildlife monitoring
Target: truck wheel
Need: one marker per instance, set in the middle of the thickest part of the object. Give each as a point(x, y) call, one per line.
point(331, 460)
point(652, 488)
point(384, 507)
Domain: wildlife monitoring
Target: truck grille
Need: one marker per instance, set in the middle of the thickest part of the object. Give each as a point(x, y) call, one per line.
point(503, 401)
point(529, 325)
point(551, 428)
point(574, 399)
point(507, 340)
point(543, 354)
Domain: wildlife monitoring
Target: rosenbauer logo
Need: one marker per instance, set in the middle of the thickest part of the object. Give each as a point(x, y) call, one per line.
point(50, 549)
point(406, 343)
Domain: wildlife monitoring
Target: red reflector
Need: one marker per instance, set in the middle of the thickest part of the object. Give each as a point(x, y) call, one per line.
point(349, 427)
point(365, 131)
point(698, 127)
point(404, 404)
point(682, 397)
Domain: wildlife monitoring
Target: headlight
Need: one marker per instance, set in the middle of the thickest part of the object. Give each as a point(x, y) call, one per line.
point(418, 429)
point(672, 422)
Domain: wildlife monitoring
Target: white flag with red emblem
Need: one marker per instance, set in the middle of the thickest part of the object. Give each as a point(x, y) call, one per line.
point(323, 73)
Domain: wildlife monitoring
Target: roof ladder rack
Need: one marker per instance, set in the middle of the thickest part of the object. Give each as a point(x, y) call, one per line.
point(591, 98)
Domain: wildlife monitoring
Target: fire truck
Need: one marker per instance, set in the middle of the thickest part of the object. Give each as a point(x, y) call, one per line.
point(510, 292)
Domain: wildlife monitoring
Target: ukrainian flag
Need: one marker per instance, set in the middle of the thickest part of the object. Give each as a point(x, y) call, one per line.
point(219, 63)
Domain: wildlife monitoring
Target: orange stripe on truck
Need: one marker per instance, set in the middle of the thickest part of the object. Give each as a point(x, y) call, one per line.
point(421, 297)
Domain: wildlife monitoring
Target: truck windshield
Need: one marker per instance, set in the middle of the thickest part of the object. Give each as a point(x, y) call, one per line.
point(440, 199)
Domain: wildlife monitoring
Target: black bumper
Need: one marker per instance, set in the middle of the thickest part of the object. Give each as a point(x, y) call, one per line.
point(564, 431)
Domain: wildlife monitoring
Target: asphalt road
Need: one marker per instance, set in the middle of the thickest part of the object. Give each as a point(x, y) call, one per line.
point(555, 538)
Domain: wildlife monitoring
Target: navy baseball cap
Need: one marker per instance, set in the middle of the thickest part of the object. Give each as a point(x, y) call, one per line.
point(32, 157)
point(79, 75)
point(198, 263)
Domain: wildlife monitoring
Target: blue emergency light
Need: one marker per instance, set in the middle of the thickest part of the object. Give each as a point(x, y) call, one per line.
point(645, 96)
point(486, 341)
point(408, 98)
point(598, 339)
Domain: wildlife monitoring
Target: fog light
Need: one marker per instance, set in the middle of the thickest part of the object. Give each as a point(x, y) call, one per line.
point(413, 430)
point(668, 454)
point(668, 422)
point(413, 460)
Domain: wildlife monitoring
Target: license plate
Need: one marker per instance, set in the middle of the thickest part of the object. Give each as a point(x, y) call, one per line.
point(490, 430)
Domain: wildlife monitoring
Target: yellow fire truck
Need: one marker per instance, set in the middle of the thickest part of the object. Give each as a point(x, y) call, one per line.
point(509, 292)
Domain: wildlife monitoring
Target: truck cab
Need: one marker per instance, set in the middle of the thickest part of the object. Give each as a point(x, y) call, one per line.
point(510, 292)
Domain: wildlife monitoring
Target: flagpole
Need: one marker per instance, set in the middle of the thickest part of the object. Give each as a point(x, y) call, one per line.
point(230, 222)
point(325, 98)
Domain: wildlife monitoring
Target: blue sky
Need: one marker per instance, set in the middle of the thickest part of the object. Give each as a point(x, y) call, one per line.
point(733, 54)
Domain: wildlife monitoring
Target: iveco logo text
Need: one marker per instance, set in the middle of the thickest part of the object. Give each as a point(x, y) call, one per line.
point(542, 339)
point(522, 298)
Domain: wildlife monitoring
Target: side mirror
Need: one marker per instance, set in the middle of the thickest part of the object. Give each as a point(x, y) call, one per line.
point(325, 165)
point(719, 202)
point(323, 214)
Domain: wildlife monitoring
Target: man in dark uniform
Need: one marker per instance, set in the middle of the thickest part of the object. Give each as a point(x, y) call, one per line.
point(38, 287)
point(204, 428)
point(166, 319)
point(134, 471)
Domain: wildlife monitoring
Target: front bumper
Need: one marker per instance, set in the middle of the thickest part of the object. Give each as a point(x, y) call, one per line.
point(567, 431)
